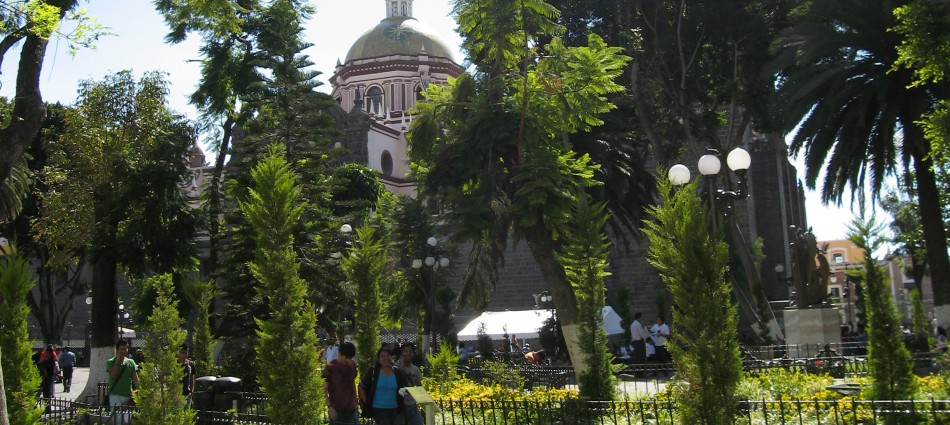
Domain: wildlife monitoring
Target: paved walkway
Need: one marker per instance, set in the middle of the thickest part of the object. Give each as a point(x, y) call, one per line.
point(80, 376)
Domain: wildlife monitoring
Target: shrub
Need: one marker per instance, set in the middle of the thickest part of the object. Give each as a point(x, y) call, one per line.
point(889, 361)
point(159, 399)
point(288, 368)
point(692, 261)
point(442, 373)
point(200, 294)
point(20, 377)
point(584, 258)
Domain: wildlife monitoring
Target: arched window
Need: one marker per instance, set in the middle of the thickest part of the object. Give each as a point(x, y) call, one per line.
point(374, 100)
point(386, 163)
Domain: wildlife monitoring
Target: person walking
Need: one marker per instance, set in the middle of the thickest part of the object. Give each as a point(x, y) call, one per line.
point(638, 340)
point(123, 379)
point(48, 370)
point(414, 377)
point(381, 391)
point(188, 378)
point(661, 333)
point(67, 361)
point(339, 386)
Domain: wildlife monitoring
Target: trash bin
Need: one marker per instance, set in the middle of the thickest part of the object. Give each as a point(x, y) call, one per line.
point(227, 392)
point(203, 397)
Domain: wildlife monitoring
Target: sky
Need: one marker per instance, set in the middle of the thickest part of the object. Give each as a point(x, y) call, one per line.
point(137, 43)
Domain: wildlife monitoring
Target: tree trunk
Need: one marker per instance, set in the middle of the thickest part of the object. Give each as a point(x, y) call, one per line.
point(931, 214)
point(542, 249)
point(29, 112)
point(103, 330)
point(4, 420)
point(214, 199)
point(105, 303)
point(931, 220)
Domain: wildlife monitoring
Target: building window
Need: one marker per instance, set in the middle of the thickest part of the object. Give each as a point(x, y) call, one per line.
point(386, 163)
point(837, 258)
point(374, 100)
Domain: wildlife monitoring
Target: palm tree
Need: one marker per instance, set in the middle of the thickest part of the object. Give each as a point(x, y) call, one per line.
point(857, 112)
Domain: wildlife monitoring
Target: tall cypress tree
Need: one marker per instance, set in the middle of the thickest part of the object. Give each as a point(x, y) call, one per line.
point(584, 257)
point(693, 261)
point(889, 361)
point(364, 267)
point(288, 369)
point(159, 399)
point(199, 294)
point(20, 377)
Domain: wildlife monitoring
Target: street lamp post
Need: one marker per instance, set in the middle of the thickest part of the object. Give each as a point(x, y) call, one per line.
point(709, 166)
point(345, 230)
point(433, 251)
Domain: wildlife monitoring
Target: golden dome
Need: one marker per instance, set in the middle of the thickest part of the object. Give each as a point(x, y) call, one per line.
point(398, 35)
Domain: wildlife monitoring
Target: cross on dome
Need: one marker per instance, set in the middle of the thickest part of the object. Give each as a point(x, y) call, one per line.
point(398, 8)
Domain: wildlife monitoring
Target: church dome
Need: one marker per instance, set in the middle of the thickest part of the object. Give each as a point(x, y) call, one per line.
point(398, 35)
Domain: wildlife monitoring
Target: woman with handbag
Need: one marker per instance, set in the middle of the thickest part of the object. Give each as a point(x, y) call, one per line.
point(381, 390)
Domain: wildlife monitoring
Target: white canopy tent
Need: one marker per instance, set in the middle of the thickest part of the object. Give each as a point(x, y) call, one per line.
point(525, 324)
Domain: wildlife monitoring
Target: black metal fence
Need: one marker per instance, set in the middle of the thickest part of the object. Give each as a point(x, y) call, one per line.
point(572, 412)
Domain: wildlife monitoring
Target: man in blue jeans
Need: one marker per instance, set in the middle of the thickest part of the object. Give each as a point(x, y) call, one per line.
point(339, 386)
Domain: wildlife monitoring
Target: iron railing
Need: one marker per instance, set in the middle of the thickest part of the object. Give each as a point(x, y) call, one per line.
point(573, 412)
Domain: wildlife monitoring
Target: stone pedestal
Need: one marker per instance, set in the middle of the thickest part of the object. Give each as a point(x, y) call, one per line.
point(810, 326)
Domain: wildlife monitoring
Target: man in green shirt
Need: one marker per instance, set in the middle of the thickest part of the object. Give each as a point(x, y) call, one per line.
point(123, 377)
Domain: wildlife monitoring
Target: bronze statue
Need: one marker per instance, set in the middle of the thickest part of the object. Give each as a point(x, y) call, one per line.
point(810, 269)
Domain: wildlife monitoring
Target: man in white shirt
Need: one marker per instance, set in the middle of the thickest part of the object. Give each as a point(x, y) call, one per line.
point(332, 352)
point(638, 339)
point(661, 333)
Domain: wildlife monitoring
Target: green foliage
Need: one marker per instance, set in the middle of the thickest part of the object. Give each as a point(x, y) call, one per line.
point(200, 294)
point(906, 231)
point(217, 18)
point(782, 384)
point(889, 361)
point(159, 400)
point(425, 294)
point(14, 189)
point(551, 338)
point(693, 261)
point(20, 376)
point(925, 46)
point(484, 343)
point(621, 305)
point(115, 177)
point(857, 112)
point(289, 371)
point(256, 76)
point(442, 372)
point(921, 327)
point(490, 145)
point(364, 266)
point(501, 374)
point(584, 258)
point(19, 18)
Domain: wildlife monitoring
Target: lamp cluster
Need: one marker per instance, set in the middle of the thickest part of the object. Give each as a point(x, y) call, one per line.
point(709, 164)
point(430, 260)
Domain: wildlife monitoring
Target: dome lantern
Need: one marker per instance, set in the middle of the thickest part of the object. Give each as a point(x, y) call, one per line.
point(398, 8)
